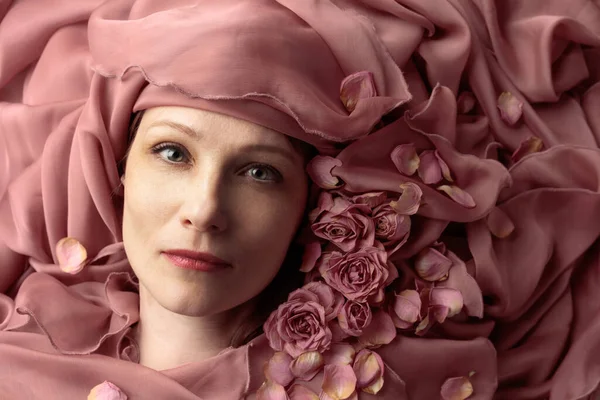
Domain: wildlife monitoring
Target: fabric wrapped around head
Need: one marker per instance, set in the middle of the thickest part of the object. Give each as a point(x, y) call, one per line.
point(490, 121)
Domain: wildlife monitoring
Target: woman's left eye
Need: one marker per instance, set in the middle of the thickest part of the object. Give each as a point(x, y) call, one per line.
point(262, 172)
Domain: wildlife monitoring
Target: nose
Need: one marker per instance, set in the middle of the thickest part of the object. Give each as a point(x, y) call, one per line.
point(204, 205)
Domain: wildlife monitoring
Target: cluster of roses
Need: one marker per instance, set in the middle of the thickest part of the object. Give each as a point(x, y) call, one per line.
point(355, 299)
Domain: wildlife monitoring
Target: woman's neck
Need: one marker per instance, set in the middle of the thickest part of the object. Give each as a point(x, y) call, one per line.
point(167, 340)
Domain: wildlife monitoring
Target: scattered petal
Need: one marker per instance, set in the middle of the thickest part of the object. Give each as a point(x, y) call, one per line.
point(325, 396)
point(106, 391)
point(448, 298)
point(375, 387)
point(460, 279)
point(368, 368)
point(380, 331)
point(271, 391)
point(499, 223)
point(339, 381)
point(429, 168)
point(278, 369)
point(405, 158)
point(307, 365)
point(465, 102)
point(443, 166)
point(360, 85)
point(458, 195)
point(71, 255)
point(528, 146)
point(409, 201)
point(319, 170)
point(340, 353)
point(407, 309)
point(510, 108)
point(432, 265)
point(457, 388)
point(301, 392)
point(312, 252)
point(424, 326)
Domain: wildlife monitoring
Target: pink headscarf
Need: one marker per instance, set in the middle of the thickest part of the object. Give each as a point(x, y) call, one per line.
point(530, 241)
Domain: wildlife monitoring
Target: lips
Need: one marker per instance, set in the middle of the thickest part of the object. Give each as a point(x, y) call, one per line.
point(189, 259)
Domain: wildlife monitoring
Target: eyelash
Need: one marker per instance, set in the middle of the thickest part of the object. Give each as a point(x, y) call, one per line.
point(163, 146)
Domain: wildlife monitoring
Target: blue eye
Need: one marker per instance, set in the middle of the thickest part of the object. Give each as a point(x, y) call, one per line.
point(265, 173)
point(175, 154)
point(170, 152)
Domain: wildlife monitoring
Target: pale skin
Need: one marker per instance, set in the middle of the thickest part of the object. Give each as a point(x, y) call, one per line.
point(204, 191)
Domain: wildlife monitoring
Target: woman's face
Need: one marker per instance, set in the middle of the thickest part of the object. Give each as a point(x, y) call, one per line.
point(207, 182)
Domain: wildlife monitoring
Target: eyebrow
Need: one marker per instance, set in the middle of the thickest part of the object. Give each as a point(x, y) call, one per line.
point(195, 135)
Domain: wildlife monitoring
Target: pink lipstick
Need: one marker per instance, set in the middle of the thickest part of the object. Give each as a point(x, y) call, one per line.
point(195, 260)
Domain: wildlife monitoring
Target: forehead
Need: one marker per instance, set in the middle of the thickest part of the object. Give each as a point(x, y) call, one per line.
point(208, 125)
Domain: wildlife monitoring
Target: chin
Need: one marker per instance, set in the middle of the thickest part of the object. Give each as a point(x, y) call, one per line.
point(193, 301)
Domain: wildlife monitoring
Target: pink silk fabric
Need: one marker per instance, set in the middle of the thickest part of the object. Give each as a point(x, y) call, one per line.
point(72, 72)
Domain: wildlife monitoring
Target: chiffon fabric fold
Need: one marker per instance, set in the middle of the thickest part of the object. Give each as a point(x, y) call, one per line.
point(72, 73)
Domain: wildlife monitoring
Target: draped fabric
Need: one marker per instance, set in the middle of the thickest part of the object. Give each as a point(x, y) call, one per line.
point(72, 73)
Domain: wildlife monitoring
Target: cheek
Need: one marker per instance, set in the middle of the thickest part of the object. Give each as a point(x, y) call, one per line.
point(271, 226)
point(144, 212)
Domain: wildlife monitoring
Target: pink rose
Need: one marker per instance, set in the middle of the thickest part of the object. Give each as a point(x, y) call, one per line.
point(298, 326)
point(353, 317)
point(391, 229)
point(322, 294)
point(343, 223)
point(360, 276)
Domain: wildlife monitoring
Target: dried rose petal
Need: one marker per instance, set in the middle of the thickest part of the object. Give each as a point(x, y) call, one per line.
point(271, 391)
point(312, 252)
point(301, 392)
point(407, 309)
point(443, 166)
point(278, 369)
point(380, 331)
point(457, 388)
point(458, 195)
point(374, 387)
point(325, 396)
point(510, 108)
point(405, 158)
point(319, 170)
point(359, 85)
point(106, 391)
point(339, 381)
point(432, 265)
point(461, 280)
point(447, 298)
point(71, 255)
point(528, 146)
point(424, 325)
point(409, 201)
point(499, 223)
point(368, 368)
point(307, 365)
point(339, 353)
point(429, 168)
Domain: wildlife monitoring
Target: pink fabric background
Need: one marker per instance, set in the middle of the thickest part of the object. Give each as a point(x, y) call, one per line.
point(68, 88)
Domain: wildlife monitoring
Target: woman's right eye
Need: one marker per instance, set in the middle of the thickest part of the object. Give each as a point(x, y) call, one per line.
point(170, 152)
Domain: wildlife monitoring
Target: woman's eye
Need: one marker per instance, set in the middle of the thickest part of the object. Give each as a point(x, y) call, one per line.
point(170, 152)
point(262, 172)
